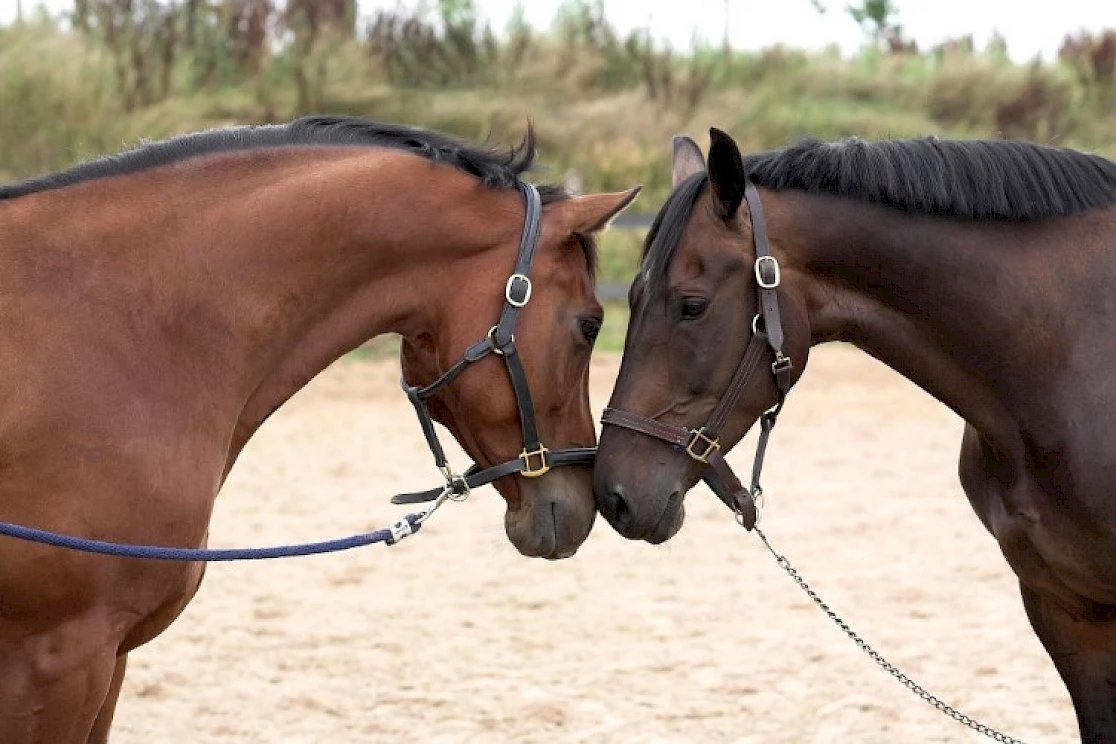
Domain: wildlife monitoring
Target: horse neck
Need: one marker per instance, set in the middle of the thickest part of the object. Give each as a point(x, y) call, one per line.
point(361, 260)
point(279, 263)
point(950, 305)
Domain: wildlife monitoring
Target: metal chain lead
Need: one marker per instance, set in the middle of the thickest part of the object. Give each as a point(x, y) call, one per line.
point(887, 666)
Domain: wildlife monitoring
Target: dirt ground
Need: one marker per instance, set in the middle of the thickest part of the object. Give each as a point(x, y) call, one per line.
point(453, 637)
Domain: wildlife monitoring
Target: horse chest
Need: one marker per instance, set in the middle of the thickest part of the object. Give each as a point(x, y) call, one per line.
point(1047, 538)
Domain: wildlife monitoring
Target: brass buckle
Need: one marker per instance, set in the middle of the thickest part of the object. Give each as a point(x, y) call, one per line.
point(531, 472)
point(710, 444)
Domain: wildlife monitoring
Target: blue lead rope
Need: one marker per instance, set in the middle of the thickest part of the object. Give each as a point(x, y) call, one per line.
point(390, 536)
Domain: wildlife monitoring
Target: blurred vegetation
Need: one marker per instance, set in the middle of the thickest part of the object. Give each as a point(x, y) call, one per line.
point(111, 72)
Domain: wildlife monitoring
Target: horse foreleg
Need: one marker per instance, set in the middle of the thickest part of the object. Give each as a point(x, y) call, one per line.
point(103, 723)
point(1084, 652)
point(53, 685)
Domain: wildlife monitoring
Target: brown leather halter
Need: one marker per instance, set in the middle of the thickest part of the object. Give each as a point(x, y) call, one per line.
point(536, 459)
point(702, 444)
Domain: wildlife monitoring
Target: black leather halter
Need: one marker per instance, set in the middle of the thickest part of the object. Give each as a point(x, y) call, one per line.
point(535, 459)
point(702, 444)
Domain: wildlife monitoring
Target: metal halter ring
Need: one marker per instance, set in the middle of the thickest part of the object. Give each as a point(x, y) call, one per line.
point(782, 362)
point(758, 507)
point(457, 488)
point(526, 293)
point(774, 267)
point(492, 338)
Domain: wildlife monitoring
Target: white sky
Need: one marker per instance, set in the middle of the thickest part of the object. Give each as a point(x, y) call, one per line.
point(1030, 27)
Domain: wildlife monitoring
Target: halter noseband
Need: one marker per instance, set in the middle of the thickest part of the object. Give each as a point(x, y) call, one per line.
point(702, 444)
point(535, 459)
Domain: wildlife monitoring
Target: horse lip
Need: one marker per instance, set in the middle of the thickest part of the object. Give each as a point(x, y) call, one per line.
point(670, 509)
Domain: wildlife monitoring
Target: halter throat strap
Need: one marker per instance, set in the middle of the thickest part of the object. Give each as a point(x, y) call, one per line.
point(703, 443)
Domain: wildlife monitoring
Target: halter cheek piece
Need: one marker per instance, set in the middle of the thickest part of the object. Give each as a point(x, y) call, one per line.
point(702, 444)
point(535, 459)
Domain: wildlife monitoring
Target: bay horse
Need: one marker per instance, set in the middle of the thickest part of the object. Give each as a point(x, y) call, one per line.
point(983, 271)
point(160, 304)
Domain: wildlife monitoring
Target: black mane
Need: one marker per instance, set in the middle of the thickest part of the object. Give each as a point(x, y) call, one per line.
point(976, 179)
point(498, 168)
point(1000, 180)
point(666, 230)
point(494, 167)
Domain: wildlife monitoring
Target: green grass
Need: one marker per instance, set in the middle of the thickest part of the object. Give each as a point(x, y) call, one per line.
point(619, 255)
point(377, 349)
point(614, 328)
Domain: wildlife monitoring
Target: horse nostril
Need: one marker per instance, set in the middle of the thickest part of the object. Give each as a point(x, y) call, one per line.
point(621, 511)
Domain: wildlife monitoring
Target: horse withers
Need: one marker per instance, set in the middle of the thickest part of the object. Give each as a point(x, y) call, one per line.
point(982, 271)
point(159, 305)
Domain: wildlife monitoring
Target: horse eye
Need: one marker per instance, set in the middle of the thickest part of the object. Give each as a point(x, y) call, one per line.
point(693, 307)
point(590, 328)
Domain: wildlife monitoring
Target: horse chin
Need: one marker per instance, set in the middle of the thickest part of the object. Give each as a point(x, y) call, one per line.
point(550, 522)
point(670, 521)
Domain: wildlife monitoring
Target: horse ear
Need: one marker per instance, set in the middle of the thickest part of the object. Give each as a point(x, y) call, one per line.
point(687, 160)
point(726, 172)
point(593, 212)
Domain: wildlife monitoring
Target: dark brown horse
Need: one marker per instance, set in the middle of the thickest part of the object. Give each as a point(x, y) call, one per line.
point(160, 304)
point(984, 272)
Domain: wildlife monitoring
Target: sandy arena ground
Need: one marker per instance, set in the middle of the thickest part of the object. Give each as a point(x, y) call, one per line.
point(453, 637)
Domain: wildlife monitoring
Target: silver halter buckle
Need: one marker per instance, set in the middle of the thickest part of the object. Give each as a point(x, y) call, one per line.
point(776, 275)
point(508, 289)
